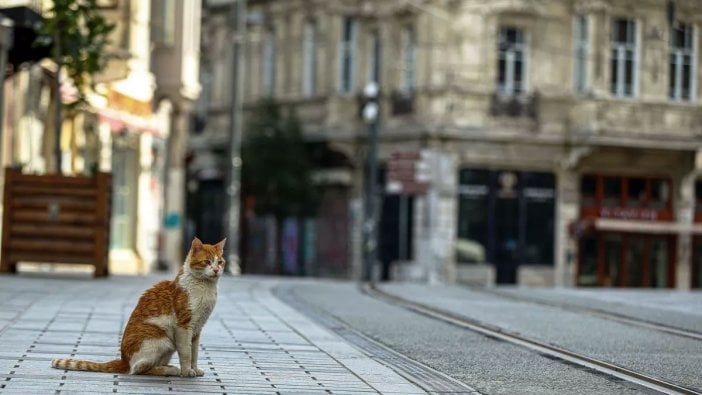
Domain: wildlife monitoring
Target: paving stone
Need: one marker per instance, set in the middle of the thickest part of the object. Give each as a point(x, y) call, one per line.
point(252, 344)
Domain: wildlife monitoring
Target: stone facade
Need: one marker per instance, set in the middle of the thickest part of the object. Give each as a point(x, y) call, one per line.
point(457, 106)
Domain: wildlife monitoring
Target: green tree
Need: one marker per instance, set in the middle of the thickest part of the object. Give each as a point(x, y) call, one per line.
point(79, 36)
point(277, 170)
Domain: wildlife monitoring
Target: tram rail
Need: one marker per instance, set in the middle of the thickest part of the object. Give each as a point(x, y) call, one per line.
point(622, 373)
point(599, 313)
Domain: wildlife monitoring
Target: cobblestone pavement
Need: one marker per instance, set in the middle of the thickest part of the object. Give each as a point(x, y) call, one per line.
point(252, 344)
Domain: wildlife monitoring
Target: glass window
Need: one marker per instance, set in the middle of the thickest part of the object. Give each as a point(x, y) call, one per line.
point(612, 192)
point(510, 65)
point(634, 262)
point(374, 65)
point(269, 59)
point(682, 62)
point(539, 194)
point(588, 190)
point(408, 60)
point(624, 58)
point(587, 273)
point(660, 194)
point(658, 259)
point(613, 260)
point(636, 192)
point(309, 58)
point(580, 37)
point(471, 244)
point(348, 55)
point(697, 264)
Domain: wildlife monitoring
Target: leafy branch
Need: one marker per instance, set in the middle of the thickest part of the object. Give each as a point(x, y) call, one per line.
point(80, 34)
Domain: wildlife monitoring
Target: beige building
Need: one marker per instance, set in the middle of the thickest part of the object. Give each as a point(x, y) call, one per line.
point(561, 136)
point(176, 65)
point(121, 129)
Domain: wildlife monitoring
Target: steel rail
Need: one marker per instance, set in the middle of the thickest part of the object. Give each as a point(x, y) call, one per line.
point(607, 368)
point(598, 313)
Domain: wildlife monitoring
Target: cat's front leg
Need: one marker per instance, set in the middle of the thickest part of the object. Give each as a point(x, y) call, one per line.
point(184, 338)
point(195, 349)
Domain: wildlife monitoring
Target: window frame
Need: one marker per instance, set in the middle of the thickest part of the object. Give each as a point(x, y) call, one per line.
point(408, 73)
point(309, 58)
point(581, 53)
point(268, 79)
point(508, 87)
point(347, 49)
point(676, 73)
point(618, 77)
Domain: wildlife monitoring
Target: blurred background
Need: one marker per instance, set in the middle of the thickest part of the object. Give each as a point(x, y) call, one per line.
point(530, 142)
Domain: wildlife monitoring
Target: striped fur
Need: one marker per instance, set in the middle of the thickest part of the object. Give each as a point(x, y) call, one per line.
point(167, 319)
point(116, 366)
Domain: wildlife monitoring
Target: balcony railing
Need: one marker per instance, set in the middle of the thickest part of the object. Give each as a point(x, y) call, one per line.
point(514, 106)
point(402, 103)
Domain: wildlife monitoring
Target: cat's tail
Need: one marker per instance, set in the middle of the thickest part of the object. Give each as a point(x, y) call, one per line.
point(116, 366)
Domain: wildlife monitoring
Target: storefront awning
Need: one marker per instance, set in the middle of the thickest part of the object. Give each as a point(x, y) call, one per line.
point(650, 227)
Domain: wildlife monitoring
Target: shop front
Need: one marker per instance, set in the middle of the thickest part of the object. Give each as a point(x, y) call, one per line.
point(505, 218)
point(627, 233)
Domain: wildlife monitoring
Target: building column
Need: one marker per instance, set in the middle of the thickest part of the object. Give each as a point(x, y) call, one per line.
point(172, 243)
point(435, 229)
point(567, 205)
point(684, 214)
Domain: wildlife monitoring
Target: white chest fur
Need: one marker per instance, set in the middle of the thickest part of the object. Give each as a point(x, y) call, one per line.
point(202, 296)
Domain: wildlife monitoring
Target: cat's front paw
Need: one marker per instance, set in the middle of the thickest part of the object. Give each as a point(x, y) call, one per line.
point(199, 372)
point(188, 372)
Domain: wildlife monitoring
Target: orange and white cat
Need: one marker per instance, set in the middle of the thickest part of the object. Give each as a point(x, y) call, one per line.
point(168, 318)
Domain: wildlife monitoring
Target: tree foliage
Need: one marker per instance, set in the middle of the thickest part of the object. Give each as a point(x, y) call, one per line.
point(277, 170)
point(83, 36)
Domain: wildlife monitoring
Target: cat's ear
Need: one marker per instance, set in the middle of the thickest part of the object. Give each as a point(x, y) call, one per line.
point(196, 245)
point(220, 246)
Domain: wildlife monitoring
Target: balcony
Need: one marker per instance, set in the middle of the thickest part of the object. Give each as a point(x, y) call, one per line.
point(402, 103)
point(525, 106)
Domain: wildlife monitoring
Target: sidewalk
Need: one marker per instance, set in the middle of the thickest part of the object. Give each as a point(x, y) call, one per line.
point(252, 344)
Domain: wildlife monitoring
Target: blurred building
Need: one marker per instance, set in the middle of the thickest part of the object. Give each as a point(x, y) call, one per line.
point(560, 138)
point(130, 126)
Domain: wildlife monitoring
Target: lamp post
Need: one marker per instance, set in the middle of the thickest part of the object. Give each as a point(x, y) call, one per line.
point(238, 14)
point(370, 225)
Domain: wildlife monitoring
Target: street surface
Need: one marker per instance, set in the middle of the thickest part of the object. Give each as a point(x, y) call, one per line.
point(280, 336)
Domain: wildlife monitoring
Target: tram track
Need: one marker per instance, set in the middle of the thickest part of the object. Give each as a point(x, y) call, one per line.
point(594, 312)
point(548, 350)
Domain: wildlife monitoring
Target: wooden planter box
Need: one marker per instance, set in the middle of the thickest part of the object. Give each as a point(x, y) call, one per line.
point(55, 219)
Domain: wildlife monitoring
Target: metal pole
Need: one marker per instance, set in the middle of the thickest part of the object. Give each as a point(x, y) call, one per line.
point(370, 223)
point(57, 103)
point(235, 136)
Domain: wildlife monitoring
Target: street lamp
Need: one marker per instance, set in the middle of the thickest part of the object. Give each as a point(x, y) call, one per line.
point(238, 15)
point(370, 243)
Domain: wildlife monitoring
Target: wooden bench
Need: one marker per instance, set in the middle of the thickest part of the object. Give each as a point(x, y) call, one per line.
point(55, 219)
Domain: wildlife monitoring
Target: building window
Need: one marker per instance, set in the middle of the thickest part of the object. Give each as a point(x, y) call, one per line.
point(511, 64)
point(624, 58)
point(269, 63)
point(309, 58)
point(374, 57)
point(408, 60)
point(348, 55)
point(682, 63)
point(580, 33)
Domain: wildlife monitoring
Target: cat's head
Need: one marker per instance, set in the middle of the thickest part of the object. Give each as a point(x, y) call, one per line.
point(205, 260)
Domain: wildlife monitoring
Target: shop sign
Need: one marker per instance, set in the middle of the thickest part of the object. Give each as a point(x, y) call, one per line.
point(645, 214)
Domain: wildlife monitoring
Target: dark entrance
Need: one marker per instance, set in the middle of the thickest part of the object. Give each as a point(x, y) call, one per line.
point(395, 231)
point(505, 218)
point(507, 238)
